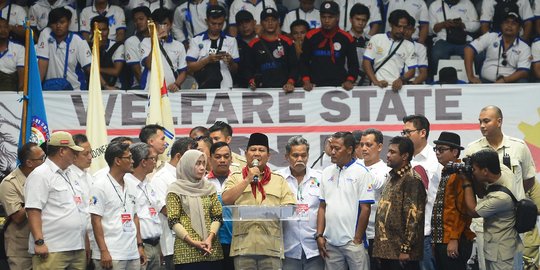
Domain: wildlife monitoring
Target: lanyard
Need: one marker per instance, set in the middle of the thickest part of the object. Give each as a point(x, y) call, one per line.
point(145, 194)
point(299, 193)
point(67, 180)
point(118, 194)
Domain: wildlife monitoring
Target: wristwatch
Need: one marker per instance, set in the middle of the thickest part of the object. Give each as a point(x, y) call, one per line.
point(317, 235)
point(39, 242)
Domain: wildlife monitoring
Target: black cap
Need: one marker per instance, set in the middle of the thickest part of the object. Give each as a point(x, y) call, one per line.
point(244, 16)
point(269, 12)
point(449, 138)
point(215, 11)
point(513, 16)
point(258, 139)
point(448, 75)
point(330, 7)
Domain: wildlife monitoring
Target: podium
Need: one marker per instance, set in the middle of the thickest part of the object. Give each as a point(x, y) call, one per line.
point(265, 213)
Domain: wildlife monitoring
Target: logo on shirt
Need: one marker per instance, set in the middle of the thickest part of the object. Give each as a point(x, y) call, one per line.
point(379, 50)
point(370, 188)
point(313, 182)
point(93, 200)
point(337, 46)
point(112, 20)
point(495, 44)
point(201, 46)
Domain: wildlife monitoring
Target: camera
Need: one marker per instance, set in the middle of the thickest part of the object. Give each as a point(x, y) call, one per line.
point(465, 167)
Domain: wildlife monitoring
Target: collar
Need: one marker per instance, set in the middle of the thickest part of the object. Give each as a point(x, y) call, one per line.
point(353, 160)
point(169, 39)
point(96, 11)
point(505, 143)
point(6, 51)
point(514, 43)
point(170, 168)
point(52, 165)
point(76, 170)
point(68, 38)
point(401, 172)
point(205, 35)
point(287, 174)
point(115, 183)
point(211, 175)
point(249, 2)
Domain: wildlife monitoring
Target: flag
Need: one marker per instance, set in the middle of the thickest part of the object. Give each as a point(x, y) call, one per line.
point(159, 106)
point(96, 130)
point(34, 127)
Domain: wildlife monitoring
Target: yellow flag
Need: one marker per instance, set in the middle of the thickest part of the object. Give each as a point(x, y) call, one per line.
point(96, 130)
point(159, 106)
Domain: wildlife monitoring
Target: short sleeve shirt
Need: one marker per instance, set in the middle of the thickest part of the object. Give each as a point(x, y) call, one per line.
point(12, 58)
point(190, 18)
point(176, 52)
point(535, 50)
point(312, 17)
point(344, 15)
point(255, 10)
point(380, 46)
point(79, 53)
point(380, 176)
point(518, 56)
point(152, 5)
point(39, 14)
point(115, 14)
point(488, 10)
point(149, 206)
point(416, 8)
point(463, 10)
point(18, 14)
point(351, 185)
point(161, 181)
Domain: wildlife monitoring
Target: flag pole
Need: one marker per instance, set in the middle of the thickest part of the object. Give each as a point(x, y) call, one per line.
point(25, 82)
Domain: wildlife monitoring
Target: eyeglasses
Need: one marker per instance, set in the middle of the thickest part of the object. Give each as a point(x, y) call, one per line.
point(155, 158)
point(407, 132)
point(128, 157)
point(42, 158)
point(504, 61)
point(441, 149)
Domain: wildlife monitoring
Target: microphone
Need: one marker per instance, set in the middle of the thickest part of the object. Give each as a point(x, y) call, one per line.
point(255, 163)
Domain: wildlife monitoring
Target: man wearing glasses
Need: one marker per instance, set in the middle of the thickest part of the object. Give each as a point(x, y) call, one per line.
point(416, 128)
point(507, 56)
point(16, 227)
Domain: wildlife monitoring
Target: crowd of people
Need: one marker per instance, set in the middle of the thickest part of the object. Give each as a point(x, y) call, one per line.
point(416, 210)
point(260, 44)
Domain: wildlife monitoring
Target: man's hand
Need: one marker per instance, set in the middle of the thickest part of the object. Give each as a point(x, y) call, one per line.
point(308, 86)
point(452, 249)
point(173, 87)
point(404, 258)
point(288, 87)
point(213, 58)
point(142, 256)
point(42, 251)
point(475, 80)
point(357, 241)
point(106, 259)
point(397, 84)
point(252, 172)
point(500, 80)
point(347, 85)
point(381, 84)
point(321, 244)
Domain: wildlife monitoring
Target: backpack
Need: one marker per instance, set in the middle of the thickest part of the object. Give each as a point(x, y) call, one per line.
point(502, 8)
point(526, 210)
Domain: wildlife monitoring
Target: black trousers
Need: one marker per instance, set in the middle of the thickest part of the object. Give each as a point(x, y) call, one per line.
point(446, 263)
point(397, 265)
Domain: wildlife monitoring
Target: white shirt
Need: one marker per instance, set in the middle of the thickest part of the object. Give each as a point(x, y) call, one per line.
point(421, 57)
point(298, 235)
point(12, 58)
point(255, 10)
point(380, 173)
point(152, 5)
point(58, 195)
point(192, 22)
point(488, 10)
point(176, 52)
point(132, 54)
point(344, 15)
point(463, 10)
point(161, 181)
point(199, 47)
point(79, 53)
point(149, 206)
point(115, 14)
point(117, 208)
point(535, 50)
point(416, 8)
point(343, 190)
point(517, 56)
point(312, 17)
point(380, 46)
point(428, 160)
point(39, 14)
point(18, 14)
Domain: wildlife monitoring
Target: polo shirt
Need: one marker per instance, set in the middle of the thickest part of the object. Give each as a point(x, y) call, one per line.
point(380, 176)
point(416, 8)
point(84, 180)
point(421, 57)
point(190, 19)
point(463, 10)
point(344, 13)
point(117, 207)
point(200, 47)
point(225, 231)
point(49, 49)
point(348, 186)
point(18, 14)
point(298, 234)
point(58, 195)
point(255, 10)
point(148, 207)
point(428, 160)
point(38, 14)
point(535, 50)
point(378, 49)
point(488, 10)
point(312, 17)
point(12, 58)
point(152, 5)
point(176, 52)
point(161, 181)
point(517, 56)
point(115, 14)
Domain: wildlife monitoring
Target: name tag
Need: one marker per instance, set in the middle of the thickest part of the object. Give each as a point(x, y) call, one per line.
point(302, 209)
point(127, 223)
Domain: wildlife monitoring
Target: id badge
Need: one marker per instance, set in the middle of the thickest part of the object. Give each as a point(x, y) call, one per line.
point(153, 214)
point(302, 209)
point(127, 223)
point(77, 199)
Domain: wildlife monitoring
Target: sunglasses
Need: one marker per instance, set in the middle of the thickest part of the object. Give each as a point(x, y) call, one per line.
point(504, 61)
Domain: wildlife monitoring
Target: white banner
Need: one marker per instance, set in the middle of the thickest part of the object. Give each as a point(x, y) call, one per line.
point(314, 114)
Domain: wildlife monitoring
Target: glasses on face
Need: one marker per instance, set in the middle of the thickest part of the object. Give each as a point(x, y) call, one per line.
point(155, 158)
point(504, 61)
point(42, 158)
point(441, 149)
point(127, 157)
point(407, 132)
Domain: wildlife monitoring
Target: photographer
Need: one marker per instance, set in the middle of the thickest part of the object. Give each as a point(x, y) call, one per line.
point(452, 237)
point(497, 208)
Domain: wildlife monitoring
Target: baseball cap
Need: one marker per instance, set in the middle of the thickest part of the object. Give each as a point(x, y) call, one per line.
point(244, 16)
point(269, 12)
point(330, 7)
point(63, 139)
point(512, 15)
point(215, 11)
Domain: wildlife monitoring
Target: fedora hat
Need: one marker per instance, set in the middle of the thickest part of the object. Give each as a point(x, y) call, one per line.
point(449, 138)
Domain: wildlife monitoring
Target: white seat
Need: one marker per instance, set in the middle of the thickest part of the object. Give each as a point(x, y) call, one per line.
point(458, 64)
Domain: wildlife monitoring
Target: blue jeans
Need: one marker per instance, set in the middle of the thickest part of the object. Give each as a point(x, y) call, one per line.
point(428, 262)
point(443, 50)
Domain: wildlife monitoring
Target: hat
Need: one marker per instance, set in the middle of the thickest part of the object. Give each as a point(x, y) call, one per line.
point(448, 75)
point(244, 16)
point(215, 11)
point(450, 139)
point(329, 7)
point(512, 15)
point(258, 139)
point(269, 12)
point(64, 139)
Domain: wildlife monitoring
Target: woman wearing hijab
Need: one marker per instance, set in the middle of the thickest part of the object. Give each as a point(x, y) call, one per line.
point(194, 214)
